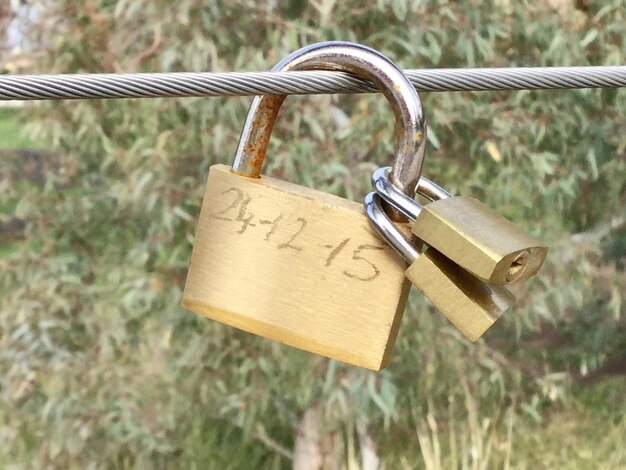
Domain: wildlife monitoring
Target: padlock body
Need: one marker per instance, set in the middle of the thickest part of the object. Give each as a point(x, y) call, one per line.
point(469, 303)
point(295, 265)
point(479, 240)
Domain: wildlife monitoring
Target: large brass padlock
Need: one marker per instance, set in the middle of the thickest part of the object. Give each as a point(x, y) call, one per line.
point(469, 303)
point(468, 232)
point(295, 264)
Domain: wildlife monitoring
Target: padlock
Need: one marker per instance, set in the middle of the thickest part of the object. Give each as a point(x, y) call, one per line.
point(468, 302)
point(298, 265)
point(468, 232)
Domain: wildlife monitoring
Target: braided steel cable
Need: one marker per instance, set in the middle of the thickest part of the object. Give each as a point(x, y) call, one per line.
point(152, 85)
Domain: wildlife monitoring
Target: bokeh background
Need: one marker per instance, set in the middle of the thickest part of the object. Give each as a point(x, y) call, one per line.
point(101, 368)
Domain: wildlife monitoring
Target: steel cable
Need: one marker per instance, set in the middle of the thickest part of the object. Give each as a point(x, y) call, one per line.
point(152, 85)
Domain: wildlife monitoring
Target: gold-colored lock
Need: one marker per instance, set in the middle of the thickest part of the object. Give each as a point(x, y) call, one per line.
point(295, 264)
point(468, 232)
point(469, 303)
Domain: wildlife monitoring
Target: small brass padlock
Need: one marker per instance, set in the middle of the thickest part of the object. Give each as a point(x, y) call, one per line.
point(468, 232)
point(469, 303)
point(295, 264)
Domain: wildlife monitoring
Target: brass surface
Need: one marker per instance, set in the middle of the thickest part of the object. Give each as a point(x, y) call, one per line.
point(295, 265)
point(469, 303)
point(479, 240)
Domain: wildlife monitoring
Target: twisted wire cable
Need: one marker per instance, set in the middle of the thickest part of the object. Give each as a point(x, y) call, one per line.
point(181, 84)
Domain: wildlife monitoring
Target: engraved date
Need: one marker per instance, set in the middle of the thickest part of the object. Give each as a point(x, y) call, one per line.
point(286, 232)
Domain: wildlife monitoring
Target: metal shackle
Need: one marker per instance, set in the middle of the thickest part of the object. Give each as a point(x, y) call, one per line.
point(363, 62)
point(401, 202)
point(387, 229)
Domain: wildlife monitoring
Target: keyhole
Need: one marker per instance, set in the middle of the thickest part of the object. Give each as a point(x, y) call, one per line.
point(517, 266)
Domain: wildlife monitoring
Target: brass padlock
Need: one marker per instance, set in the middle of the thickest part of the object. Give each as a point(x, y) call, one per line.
point(469, 303)
point(298, 265)
point(468, 232)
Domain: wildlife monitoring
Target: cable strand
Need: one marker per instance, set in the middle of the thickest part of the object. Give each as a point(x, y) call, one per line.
point(181, 84)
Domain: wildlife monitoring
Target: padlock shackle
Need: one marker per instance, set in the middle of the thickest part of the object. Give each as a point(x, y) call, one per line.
point(364, 62)
point(406, 205)
point(387, 229)
point(431, 190)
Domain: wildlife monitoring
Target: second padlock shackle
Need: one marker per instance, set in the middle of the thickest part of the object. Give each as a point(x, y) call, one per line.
point(404, 204)
point(387, 230)
point(364, 62)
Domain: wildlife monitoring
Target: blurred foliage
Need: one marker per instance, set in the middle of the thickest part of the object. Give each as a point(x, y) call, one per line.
point(101, 368)
point(11, 131)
